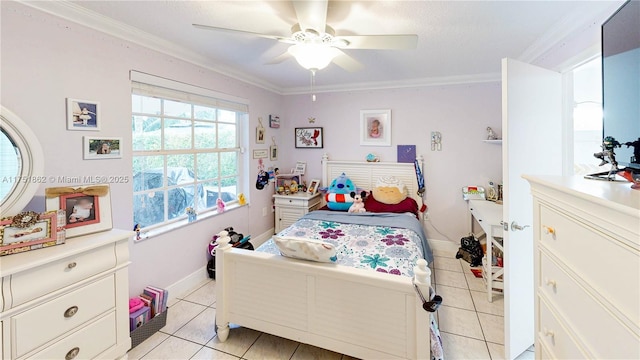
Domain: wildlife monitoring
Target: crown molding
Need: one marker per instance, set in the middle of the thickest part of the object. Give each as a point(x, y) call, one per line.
point(570, 25)
point(411, 83)
point(80, 15)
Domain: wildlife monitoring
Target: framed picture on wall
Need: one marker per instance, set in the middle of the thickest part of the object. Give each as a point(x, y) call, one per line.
point(83, 115)
point(273, 153)
point(96, 148)
point(375, 127)
point(309, 138)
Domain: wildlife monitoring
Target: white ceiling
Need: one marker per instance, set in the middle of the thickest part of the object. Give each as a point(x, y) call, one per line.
point(457, 39)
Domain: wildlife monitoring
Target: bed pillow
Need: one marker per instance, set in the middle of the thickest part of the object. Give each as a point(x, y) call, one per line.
point(305, 249)
point(406, 205)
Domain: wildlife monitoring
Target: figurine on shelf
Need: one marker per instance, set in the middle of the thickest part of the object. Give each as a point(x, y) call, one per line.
point(293, 187)
point(220, 204)
point(191, 214)
point(491, 135)
point(608, 155)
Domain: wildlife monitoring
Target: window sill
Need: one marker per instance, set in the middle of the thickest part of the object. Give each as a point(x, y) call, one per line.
point(148, 234)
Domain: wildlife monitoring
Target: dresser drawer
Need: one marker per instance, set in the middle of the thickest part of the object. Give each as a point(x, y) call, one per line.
point(610, 267)
point(554, 336)
point(290, 201)
point(30, 284)
point(54, 318)
point(563, 292)
point(86, 343)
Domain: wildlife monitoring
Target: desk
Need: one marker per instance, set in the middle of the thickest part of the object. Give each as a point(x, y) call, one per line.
point(489, 215)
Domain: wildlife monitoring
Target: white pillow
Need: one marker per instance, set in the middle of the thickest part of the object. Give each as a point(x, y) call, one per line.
point(306, 249)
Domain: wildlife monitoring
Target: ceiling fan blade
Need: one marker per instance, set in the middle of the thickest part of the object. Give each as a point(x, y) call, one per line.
point(280, 58)
point(312, 14)
point(381, 42)
point(267, 36)
point(347, 62)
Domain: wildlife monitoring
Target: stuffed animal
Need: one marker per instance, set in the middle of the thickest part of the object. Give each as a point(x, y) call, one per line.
point(220, 204)
point(241, 199)
point(358, 202)
point(337, 196)
point(389, 190)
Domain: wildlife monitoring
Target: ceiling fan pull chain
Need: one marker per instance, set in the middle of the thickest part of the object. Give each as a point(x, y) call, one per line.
point(313, 81)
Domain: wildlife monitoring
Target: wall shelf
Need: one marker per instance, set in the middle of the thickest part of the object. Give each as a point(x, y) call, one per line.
point(498, 141)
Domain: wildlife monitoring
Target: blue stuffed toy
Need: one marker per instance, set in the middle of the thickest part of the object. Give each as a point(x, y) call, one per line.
point(338, 196)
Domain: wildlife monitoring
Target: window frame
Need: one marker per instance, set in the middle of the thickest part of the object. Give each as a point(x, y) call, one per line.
point(203, 98)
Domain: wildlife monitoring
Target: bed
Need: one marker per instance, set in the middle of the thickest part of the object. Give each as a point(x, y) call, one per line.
point(360, 308)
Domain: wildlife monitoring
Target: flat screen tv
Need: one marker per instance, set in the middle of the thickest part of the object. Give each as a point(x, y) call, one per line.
point(621, 82)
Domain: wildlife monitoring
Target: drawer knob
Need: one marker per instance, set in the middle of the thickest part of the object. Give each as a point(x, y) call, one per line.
point(549, 230)
point(548, 333)
point(72, 353)
point(551, 283)
point(71, 311)
point(71, 265)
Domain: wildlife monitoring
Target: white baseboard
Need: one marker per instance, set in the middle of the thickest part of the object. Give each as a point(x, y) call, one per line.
point(443, 245)
point(184, 286)
point(262, 238)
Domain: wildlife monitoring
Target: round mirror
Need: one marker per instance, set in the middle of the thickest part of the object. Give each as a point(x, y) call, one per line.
point(21, 163)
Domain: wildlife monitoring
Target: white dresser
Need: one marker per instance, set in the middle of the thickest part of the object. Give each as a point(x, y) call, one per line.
point(290, 208)
point(587, 268)
point(67, 301)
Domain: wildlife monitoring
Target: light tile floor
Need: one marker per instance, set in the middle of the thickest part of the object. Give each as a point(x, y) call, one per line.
point(471, 327)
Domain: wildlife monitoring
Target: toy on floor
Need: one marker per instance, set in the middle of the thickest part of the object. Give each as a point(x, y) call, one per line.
point(358, 202)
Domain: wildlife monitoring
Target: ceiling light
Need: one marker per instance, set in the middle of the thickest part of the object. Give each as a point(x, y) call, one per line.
point(313, 56)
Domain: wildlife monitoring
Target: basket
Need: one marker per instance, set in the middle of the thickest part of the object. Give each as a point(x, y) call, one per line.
point(145, 331)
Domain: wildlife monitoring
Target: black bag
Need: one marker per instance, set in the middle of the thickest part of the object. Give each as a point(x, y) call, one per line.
point(470, 250)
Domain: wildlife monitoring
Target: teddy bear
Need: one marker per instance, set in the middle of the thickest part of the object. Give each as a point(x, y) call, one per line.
point(358, 202)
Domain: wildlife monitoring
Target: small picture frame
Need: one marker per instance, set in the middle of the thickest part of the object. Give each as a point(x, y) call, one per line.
point(309, 138)
point(97, 148)
point(86, 209)
point(375, 127)
point(30, 231)
point(83, 115)
point(273, 152)
point(260, 133)
point(300, 168)
point(312, 189)
point(274, 121)
point(260, 153)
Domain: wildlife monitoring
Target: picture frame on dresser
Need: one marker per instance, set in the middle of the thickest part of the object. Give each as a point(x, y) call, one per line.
point(314, 184)
point(87, 209)
point(30, 231)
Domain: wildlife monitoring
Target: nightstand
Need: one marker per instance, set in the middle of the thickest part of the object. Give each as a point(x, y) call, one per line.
point(290, 208)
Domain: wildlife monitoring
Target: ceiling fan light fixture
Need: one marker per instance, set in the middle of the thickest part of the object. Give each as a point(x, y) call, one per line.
point(313, 56)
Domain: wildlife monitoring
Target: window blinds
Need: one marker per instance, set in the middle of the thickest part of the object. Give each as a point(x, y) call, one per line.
point(151, 85)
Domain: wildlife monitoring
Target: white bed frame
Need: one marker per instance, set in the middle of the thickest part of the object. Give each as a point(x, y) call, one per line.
point(361, 313)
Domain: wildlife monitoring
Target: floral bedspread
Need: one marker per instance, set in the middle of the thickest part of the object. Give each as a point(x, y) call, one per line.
point(379, 247)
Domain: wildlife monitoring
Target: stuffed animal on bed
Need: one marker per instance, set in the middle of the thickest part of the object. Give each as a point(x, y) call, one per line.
point(337, 196)
point(358, 202)
point(389, 190)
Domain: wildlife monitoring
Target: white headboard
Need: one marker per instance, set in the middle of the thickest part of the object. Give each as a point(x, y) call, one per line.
point(366, 174)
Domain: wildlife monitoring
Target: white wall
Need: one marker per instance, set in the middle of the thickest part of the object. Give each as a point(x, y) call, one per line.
point(460, 112)
point(46, 59)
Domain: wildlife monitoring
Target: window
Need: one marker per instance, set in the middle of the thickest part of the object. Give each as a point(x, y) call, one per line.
point(587, 117)
point(186, 154)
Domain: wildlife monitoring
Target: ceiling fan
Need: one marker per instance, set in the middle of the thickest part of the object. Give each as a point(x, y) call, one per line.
point(315, 45)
